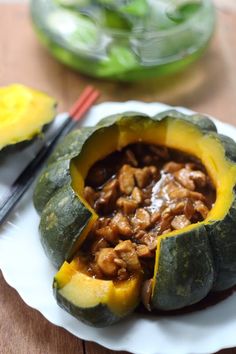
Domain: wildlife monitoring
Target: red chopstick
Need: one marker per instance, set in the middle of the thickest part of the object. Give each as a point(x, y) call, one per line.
point(86, 93)
point(81, 110)
point(88, 96)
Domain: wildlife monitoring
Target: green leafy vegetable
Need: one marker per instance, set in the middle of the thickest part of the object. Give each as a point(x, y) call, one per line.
point(73, 3)
point(138, 8)
point(78, 30)
point(184, 12)
point(124, 39)
point(113, 19)
point(120, 60)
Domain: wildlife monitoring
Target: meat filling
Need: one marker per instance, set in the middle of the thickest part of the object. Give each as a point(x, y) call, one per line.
point(141, 192)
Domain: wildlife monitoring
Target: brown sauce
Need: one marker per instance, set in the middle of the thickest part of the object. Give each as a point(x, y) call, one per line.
point(140, 192)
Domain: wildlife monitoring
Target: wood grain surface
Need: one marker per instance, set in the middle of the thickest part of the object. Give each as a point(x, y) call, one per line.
point(208, 86)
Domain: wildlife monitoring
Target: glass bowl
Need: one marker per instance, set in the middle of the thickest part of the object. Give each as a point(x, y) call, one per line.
point(124, 39)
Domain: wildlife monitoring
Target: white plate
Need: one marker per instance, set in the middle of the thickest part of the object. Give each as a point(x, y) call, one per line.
point(26, 268)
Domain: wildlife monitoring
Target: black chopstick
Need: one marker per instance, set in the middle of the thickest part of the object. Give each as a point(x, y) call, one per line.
point(25, 179)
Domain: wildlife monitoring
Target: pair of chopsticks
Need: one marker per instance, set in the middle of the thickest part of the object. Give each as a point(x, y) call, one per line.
point(25, 179)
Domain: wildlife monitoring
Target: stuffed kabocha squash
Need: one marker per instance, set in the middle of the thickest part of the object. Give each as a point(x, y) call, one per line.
point(23, 113)
point(139, 208)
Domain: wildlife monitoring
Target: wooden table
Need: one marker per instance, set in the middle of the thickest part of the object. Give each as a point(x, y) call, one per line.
point(208, 86)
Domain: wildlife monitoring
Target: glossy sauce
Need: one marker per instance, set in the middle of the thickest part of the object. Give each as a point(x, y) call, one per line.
point(140, 193)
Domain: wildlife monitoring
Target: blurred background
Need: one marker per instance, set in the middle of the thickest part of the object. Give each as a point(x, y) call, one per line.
point(206, 85)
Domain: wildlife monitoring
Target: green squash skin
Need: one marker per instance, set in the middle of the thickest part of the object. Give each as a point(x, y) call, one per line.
point(202, 122)
point(209, 263)
point(229, 146)
point(55, 176)
point(223, 239)
point(71, 145)
point(115, 119)
point(51, 188)
point(57, 172)
point(97, 316)
point(62, 221)
point(223, 233)
point(185, 272)
point(66, 147)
